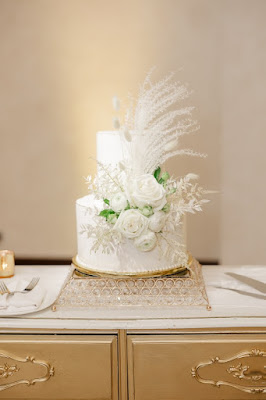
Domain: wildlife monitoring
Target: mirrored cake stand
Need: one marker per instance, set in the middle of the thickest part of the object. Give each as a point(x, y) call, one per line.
point(183, 286)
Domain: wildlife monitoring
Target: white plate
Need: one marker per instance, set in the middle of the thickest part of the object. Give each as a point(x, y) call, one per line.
point(52, 279)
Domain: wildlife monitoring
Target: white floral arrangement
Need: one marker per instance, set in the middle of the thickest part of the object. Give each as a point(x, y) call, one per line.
point(141, 203)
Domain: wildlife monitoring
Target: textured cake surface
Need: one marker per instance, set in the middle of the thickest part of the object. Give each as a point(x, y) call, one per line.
point(127, 261)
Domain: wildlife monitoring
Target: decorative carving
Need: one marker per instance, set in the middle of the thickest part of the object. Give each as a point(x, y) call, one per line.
point(240, 372)
point(8, 371)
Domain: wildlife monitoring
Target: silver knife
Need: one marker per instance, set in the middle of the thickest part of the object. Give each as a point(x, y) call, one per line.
point(254, 283)
point(243, 292)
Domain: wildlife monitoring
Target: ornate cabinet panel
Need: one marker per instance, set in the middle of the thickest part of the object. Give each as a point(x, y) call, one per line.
point(202, 367)
point(58, 367)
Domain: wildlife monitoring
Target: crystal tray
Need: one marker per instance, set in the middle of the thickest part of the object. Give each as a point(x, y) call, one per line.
point(171, 290)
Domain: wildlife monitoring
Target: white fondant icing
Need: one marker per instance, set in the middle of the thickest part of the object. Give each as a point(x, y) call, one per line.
point(109, 149)
point(127, 260)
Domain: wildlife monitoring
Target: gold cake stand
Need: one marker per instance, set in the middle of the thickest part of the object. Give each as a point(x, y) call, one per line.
point(178, 287)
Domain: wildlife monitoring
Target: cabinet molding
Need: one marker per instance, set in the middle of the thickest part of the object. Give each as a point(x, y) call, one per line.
point(242, 372)
point(7, 370)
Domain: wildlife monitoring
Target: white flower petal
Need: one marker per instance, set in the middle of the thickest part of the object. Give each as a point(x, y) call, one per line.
point(118, 202)
point(144, 190)
point(131, 223)
point(146, 241)
point(157, 221)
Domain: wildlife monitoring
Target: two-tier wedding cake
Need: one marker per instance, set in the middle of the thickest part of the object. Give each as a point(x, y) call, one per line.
point(132, 220)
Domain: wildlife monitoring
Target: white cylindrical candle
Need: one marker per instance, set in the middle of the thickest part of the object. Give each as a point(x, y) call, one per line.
point(7, 263)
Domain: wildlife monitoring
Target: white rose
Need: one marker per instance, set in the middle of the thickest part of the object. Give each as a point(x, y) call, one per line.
point(157, 221)
point(118, 202)
point(146, 241)
point(131, 223)
point(145, 190)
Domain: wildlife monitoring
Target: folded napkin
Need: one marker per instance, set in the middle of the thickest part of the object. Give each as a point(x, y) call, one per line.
point(21, 302)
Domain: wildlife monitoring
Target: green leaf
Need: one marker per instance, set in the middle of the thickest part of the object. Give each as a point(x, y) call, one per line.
point(165, 176)
point(166, 208)
point(106, 201)
point(128, 206)
point(157, 173)
point(105, 213)
point(171, 191)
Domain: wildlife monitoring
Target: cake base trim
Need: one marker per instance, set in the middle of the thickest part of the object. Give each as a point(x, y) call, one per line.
point(146, 274)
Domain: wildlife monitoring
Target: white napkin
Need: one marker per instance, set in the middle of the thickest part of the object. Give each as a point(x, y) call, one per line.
point(22, 301)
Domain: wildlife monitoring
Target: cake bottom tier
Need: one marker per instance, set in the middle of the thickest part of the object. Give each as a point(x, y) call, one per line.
point(128, 260)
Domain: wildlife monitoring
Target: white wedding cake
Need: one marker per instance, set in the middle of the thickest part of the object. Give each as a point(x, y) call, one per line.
point(132, 220)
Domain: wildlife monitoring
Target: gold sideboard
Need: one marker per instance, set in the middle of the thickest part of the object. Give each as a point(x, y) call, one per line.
point(135, 365)
point(58, 367)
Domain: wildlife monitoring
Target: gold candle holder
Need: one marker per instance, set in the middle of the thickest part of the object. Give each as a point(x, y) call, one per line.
point(7, 263)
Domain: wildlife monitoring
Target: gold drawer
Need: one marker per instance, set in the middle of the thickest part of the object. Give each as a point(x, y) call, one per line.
point(58, 367)
point(202, 367)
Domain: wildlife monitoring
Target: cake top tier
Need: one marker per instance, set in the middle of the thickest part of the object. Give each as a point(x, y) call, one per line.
point(109, 148)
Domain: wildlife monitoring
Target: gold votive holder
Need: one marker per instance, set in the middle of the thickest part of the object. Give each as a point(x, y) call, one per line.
point(7, 263)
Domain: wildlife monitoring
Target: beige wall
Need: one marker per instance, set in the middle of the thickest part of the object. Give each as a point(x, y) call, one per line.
point(61, 63)
point(243, 139)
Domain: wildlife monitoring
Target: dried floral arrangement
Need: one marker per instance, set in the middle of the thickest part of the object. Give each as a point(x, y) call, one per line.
point(140, 202)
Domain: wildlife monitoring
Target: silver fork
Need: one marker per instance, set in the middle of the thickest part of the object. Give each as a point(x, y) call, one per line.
point(4, 289)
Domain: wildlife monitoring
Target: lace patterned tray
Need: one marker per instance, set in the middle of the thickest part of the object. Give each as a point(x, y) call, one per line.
point(173, 290)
